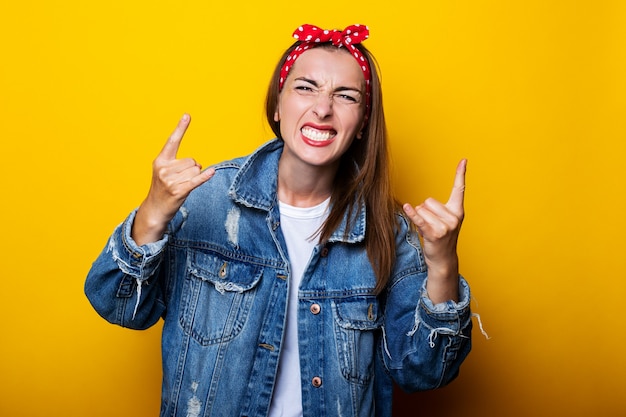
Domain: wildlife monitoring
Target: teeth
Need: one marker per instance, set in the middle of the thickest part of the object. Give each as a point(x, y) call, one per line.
point(317, 135)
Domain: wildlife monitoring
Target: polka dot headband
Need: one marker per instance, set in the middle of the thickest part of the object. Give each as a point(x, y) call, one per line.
point(311, 36)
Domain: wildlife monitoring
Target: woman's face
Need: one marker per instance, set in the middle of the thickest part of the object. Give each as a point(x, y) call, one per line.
point(321, 106)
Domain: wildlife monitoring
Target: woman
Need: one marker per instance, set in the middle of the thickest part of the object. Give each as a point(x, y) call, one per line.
point(289, 282)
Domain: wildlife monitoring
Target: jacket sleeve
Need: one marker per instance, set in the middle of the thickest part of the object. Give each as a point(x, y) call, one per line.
point(423, 344)
point(123, 285)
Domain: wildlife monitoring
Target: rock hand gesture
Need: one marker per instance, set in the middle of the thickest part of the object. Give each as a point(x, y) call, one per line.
point(439, 225)
point(172, 181)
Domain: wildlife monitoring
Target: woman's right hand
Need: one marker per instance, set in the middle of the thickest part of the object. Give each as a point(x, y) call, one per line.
point(172, 181)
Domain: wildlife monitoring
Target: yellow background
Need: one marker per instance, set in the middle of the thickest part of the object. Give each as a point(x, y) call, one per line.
point(532, 92)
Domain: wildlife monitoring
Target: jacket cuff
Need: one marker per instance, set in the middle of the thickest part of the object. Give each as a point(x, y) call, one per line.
point(137, 261)
point(449, 317)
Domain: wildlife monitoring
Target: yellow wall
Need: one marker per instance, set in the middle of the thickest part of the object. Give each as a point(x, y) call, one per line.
point(533, 92)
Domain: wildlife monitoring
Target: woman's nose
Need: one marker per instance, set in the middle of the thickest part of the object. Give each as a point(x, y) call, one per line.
point(323, 105)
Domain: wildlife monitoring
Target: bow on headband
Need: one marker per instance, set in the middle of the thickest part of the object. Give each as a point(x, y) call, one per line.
point(351, 34)
point(311, 36)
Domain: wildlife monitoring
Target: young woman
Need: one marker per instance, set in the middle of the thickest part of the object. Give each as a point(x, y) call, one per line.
point(289, 281)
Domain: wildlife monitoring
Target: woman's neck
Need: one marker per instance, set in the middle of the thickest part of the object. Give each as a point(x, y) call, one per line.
point(304, 186)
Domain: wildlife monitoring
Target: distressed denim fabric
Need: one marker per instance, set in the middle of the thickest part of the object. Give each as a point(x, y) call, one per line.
point(219, 278)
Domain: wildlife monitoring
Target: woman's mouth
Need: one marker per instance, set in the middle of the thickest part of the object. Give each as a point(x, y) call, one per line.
point(318, 135)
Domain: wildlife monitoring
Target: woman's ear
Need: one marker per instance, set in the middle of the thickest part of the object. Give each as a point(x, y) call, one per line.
point(361, 129)
point(277, 110)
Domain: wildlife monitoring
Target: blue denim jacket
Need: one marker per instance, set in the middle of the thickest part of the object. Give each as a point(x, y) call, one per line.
point(219, 280)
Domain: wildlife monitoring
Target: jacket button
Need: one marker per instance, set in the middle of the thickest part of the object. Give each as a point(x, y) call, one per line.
point(316, 382)
point(315, 309)
point(324, 252)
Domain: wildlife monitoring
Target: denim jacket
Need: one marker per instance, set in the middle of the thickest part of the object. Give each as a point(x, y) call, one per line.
point(219, 278)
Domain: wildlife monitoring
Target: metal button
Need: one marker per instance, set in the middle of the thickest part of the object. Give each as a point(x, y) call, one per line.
point(267, 346)
point(222, 272)
point(317, 382)
point(324, 252)
point(315, 309)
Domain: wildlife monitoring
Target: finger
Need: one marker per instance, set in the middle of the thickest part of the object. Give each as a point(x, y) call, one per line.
point(433, 226)
point(184, 169)
point(170, 149)
point(443, 212)
point(202, 177)
point(412, 214)
point(409, 210)
point(455, 202)
point(180, 165)
point(194, 179)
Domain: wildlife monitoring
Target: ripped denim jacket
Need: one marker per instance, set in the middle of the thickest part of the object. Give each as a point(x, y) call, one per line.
point(219, 278)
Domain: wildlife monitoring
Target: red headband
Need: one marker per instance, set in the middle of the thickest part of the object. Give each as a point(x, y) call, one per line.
point(311, 36)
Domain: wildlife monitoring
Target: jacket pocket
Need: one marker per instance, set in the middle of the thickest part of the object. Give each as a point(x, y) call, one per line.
point(356, 321)
point(217, 295)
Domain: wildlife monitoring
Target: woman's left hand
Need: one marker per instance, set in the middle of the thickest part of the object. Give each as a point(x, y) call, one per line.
point(439, 225)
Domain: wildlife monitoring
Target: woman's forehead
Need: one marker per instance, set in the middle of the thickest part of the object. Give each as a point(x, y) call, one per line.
point(328, 62)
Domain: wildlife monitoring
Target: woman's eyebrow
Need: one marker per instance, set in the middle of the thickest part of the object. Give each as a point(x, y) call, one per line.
point(356, 90)
point(338, 89)
point(312, 82)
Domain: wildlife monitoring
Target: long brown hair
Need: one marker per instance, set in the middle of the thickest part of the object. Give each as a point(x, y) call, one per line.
point(362, 177)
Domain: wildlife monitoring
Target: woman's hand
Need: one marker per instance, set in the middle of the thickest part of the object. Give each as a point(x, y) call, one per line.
point(439, 225)
point(172, 181)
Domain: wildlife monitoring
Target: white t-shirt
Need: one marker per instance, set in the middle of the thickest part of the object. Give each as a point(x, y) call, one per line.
point(299, 226)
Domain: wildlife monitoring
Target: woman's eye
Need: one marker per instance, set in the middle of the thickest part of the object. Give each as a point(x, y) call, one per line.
point(346, 98)
point(303, 88)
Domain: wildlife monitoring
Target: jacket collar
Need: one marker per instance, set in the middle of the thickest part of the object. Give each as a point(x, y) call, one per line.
point(255, 185)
